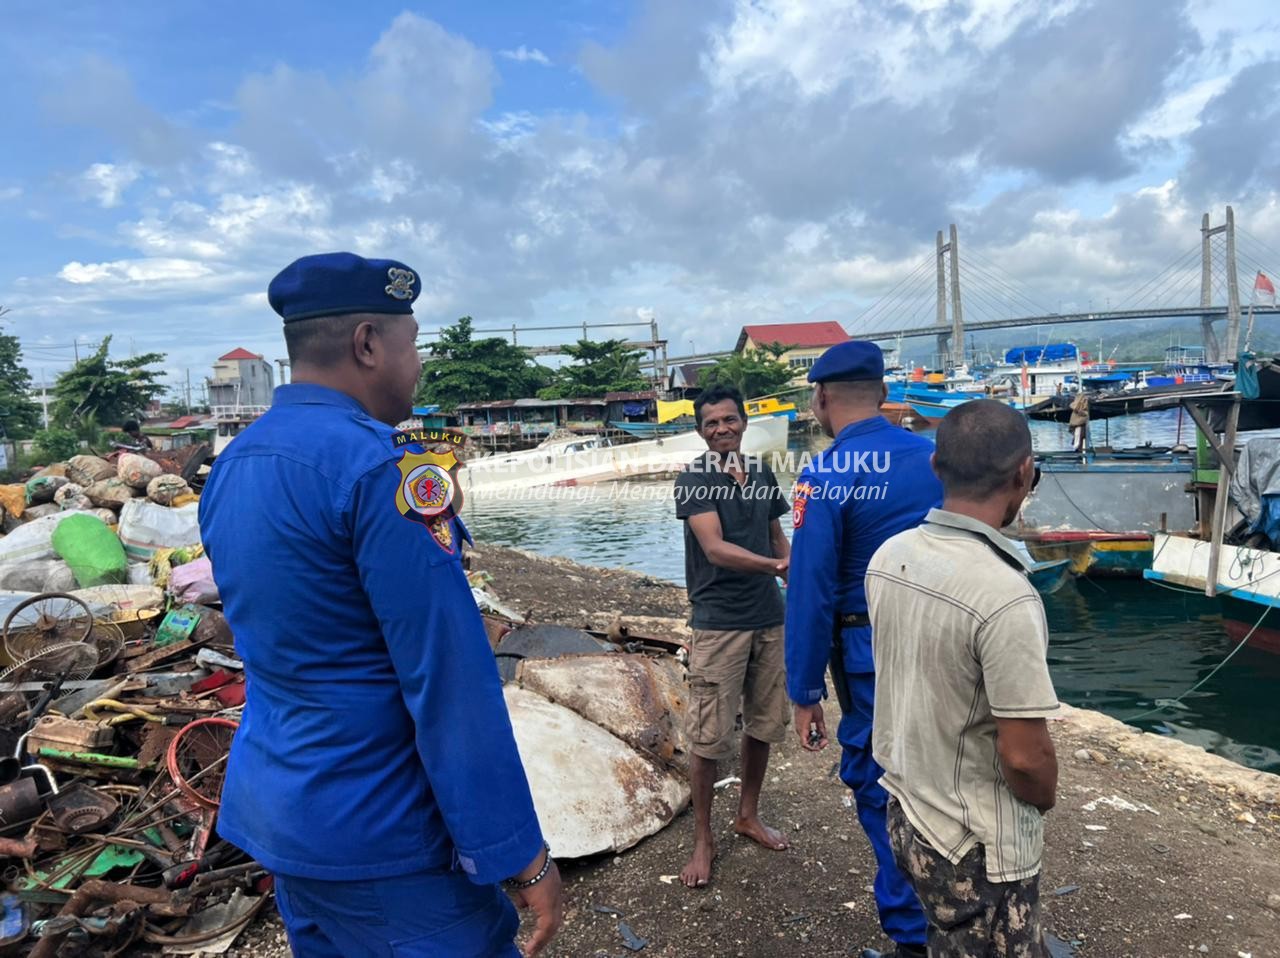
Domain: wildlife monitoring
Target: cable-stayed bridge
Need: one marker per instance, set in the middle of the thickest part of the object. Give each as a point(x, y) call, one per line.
point(955, 291)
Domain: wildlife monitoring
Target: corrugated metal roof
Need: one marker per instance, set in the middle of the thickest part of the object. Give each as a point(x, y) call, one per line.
point(794, 334)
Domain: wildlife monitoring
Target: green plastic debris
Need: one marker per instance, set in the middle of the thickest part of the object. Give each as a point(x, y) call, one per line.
point(106, 861)
point(177, 625)
point(90, 758)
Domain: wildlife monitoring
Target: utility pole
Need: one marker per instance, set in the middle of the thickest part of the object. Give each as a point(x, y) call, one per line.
point(188, 391)
point(44, 396)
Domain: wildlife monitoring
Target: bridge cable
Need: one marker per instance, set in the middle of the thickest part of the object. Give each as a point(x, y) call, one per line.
point(1014, 304)
point(998, 274)
point(896, 290)
point(1151, 285)
point(893, 295)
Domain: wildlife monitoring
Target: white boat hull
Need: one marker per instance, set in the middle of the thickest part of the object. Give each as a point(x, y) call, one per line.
point(1251, 575)
point(572, 463)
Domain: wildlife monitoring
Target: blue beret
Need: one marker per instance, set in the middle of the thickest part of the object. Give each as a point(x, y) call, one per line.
point(330, 284)
point(851, 361)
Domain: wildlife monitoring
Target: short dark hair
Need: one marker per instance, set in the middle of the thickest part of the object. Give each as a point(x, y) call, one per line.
point(130, 425)
point(980, 446)
point(709, 397)
point(855, 390)
point(324, 340)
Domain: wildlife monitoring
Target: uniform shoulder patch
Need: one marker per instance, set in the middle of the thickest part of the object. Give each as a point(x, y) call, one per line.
point(426, 488)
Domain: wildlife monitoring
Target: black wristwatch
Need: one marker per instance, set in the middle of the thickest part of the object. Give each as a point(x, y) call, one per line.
point(546, 867)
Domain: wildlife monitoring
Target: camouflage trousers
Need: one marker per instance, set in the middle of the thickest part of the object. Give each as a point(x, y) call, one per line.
point(969, 915)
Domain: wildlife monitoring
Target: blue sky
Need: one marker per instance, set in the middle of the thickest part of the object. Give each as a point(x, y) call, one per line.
point(710, 164)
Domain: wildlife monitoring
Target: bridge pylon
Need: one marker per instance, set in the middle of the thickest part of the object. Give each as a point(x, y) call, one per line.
point(1216, 350)
point(950, 345)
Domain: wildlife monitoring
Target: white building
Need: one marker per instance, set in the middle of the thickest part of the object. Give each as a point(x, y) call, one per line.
point(241, 378)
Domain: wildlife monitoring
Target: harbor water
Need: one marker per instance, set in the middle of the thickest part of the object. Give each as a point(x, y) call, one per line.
point(1124, 647)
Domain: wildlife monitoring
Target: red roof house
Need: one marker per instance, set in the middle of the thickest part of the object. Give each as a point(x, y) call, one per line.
point(239, 353)
point(793, 335)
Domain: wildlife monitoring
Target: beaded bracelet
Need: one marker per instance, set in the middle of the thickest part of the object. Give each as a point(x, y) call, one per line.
point(546, 867)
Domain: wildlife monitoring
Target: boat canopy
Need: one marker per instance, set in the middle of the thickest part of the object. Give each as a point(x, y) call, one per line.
point(1035, 354)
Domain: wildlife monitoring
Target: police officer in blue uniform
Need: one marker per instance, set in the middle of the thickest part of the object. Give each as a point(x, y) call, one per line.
point(873, 482)
point(375, 772)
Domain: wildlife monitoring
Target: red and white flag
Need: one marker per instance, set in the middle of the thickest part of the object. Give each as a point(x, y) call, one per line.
point(1264, 291)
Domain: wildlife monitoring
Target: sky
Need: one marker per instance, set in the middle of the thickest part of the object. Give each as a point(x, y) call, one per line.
point(705, 165)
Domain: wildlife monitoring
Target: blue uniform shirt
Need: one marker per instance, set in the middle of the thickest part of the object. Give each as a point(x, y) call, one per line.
point(375, 740)
point(873, 482)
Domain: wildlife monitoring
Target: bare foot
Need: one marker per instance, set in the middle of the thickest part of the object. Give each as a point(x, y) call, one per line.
point(761, 833)
point(698, 872)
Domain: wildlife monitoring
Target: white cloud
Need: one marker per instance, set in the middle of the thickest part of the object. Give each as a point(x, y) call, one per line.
point(523, 54)
point(10, 193)
point(131, 271)
point(107, 182)
point(786, 160)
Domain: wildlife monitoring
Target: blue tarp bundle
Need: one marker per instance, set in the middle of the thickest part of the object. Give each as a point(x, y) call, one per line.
point(1033, 354)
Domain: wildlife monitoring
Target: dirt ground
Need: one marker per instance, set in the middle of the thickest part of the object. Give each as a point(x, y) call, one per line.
point(1155, 850)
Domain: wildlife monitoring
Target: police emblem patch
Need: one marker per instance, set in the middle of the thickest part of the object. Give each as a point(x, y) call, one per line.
point(401, 285)
point(426, 487)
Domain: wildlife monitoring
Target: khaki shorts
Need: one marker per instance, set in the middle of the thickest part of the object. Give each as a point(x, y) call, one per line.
point(732, 670)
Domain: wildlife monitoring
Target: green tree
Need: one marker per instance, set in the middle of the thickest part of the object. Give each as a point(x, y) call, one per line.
point(597, 368)
point(461, 369)
point(19, 415)
point(755, 373)
point(102, 390)
point(55, 445)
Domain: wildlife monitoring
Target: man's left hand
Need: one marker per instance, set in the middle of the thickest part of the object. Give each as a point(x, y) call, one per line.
point(811, 727)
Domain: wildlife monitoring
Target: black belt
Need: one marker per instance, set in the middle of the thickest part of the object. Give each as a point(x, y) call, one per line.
point(853, 620)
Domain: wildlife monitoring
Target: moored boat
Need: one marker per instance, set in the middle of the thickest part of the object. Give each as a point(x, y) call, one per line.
point(1247, 581)
point(1102, 510)
point(578, 460)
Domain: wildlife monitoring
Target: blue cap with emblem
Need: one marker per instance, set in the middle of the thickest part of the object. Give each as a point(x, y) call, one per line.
point(854, 361)
point(331, 284)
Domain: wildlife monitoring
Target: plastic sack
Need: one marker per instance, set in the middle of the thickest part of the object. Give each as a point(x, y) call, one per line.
point(43, 489)
point(92, 550)
point(146, 527)
point(136, 471)
point(14, 499)
point(162, 490)
point(42, 510)
point(34, 540)
point(124, 598)
point(109, 493)
point(164, 561)
point(193, 582)
point(40, 575)
point(86, 470)
point(106, 515)
point(71, 496)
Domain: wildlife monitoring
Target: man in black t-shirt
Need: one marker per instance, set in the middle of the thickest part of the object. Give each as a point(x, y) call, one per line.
point(734, 551)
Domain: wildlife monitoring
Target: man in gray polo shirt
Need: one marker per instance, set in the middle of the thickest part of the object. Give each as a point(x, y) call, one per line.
point(962, 692)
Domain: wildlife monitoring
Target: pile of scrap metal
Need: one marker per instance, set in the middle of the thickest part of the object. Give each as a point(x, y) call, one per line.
point(599, 719)
point(116, 720)
point(119, 697)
